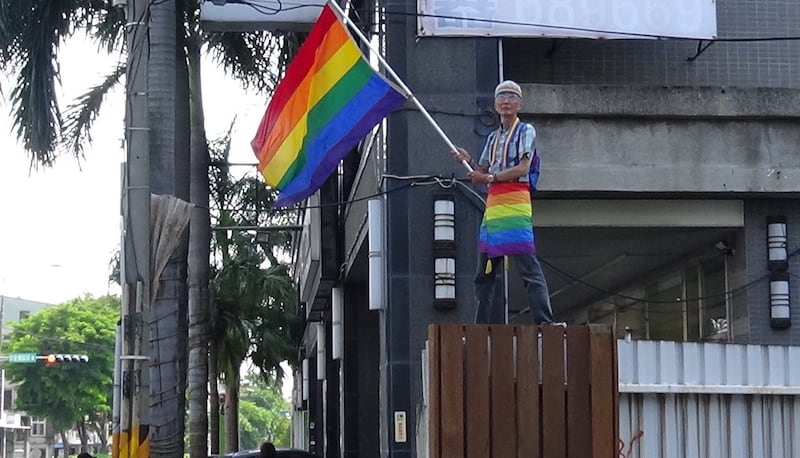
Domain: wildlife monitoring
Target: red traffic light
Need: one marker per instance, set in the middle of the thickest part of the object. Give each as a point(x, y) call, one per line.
point(52, 359)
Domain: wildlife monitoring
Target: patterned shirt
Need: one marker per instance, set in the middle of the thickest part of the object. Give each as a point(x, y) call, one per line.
point(521, 145)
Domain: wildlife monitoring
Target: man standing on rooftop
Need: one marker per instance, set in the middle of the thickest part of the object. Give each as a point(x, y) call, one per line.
point(505, 165)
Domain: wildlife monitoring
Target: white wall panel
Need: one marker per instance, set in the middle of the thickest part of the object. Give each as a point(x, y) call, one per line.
point(703, 400)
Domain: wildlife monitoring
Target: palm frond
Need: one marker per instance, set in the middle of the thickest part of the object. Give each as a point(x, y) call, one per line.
point(234, 345)
point(109, 25)
point(37, 118)
point(31, 33)
point(81, 113)
point(253, 58)
point(12, 16)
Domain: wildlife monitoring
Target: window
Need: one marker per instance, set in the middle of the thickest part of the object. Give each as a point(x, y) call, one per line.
point(665, 311)
point(714, 311)
point(24, 314)
point(38, 427)
point(689, 303)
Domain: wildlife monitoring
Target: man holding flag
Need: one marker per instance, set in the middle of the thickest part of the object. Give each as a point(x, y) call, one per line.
point(331, 97)
point(507, 229)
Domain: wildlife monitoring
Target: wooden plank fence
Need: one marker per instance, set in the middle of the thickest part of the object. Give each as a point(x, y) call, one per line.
point(502, 391)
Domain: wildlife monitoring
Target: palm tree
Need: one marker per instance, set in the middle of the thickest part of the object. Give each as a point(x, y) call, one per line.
point(199, 252)
point(254, 297)
point(30, 35)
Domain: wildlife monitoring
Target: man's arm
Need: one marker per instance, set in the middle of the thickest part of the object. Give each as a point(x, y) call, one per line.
point(479, 174)
point(516, 172)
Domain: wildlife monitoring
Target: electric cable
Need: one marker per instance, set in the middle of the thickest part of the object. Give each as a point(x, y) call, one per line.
point(269, 10)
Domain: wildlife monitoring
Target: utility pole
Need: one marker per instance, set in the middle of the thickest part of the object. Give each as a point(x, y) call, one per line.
point(132, 429)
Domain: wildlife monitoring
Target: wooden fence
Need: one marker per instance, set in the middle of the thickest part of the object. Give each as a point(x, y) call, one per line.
point(522, 391)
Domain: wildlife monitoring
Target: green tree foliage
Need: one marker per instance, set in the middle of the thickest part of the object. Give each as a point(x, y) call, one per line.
point(31, 35)
point(264, 415)
point(67, 392)
point(255, 304)
point(252, 290)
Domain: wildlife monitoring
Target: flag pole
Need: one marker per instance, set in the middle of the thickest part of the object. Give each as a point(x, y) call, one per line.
point(397, 80)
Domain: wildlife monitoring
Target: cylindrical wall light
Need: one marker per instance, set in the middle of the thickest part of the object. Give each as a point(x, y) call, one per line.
point(376, 270)
point(305, 379)
point(321, 360)
point(297, 393)
point(337, 334)
point(444, 252)
point(444, 222)
point(777, 255)
point(780, 306)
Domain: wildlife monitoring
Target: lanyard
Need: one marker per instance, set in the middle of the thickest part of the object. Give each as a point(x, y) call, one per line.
point(496, 143)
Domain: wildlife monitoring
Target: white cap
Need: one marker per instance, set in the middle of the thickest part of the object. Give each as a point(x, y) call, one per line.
point(508, 86)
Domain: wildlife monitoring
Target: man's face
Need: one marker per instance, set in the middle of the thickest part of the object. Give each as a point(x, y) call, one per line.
point(507, 103)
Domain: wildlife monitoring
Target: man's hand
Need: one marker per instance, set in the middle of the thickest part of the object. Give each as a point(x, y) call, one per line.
point(460, 154)
point(478, 177)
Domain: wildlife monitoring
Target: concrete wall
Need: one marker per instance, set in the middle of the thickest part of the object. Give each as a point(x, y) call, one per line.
point(757, 293)
point(447, 76)
point(666, 140)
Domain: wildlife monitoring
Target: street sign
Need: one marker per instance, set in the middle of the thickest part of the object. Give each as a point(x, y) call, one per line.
point(22, 357)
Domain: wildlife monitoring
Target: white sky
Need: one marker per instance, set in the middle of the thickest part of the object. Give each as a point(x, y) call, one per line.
point(59, 227)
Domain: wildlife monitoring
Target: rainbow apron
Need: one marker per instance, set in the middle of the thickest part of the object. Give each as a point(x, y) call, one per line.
point(507, 226)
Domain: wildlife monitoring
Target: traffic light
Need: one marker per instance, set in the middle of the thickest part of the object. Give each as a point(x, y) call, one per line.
point(54, 358)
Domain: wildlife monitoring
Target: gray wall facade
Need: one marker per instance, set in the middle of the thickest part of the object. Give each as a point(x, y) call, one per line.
point(757, 296)
point(651, 62)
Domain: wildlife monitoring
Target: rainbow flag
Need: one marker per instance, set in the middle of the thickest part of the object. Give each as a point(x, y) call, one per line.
point(507, 226)
point(328, 101)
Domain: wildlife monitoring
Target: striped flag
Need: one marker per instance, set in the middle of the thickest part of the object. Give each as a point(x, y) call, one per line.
point(329, 99)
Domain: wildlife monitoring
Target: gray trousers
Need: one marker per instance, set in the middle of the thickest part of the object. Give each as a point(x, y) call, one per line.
point(532, 278)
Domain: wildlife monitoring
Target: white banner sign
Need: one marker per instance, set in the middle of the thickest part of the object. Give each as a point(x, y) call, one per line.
point(250, 15)
point(569, 18)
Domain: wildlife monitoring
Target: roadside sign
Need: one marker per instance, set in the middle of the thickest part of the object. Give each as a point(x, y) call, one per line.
point(22, 357)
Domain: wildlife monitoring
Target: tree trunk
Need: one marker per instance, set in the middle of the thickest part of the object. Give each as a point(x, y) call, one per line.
point(199, 254)
point(64, 442)
point(232, 413)
point(213, 378)
point(82, 435)
point(102, 435)
point(166, 393)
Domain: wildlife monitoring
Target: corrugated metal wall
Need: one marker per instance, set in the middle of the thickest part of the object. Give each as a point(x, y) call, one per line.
point(709, 400)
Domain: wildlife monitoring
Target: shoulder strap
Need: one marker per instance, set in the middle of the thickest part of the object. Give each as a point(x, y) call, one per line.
point(534, 171)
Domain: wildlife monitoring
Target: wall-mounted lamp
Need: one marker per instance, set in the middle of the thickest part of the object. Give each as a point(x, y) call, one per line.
point(297, 395)
point(444, 252)
point(337, 334)
point(321, 359)
point(376, 270)
point(780, 310)
point(777, 255)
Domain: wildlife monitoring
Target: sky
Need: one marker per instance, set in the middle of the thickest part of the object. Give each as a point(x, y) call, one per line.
point(60, 226)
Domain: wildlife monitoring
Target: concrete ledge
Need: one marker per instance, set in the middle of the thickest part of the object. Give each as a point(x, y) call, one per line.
point(660, 102)
point(638, 213)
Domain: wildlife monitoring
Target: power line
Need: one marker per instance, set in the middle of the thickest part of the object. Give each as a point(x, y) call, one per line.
point(270, 10)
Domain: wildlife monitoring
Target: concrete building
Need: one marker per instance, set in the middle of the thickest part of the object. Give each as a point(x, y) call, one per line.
point(663, 161)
